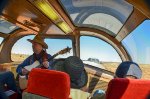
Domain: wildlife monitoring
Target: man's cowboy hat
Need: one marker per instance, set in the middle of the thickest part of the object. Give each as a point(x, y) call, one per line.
point(75, 68)
point(39, 40)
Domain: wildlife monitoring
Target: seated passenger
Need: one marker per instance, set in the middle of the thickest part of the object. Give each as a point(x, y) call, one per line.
point(127, 69)
point(78, 77)
point(39, 57)
point(7, 78)
point(39, 49)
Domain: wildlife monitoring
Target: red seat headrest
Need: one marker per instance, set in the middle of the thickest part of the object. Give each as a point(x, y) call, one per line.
point(122, 88)
point(49, 83)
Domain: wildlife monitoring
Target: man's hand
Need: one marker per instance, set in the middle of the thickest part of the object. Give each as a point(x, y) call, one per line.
point(46, 64)
point(24, 71)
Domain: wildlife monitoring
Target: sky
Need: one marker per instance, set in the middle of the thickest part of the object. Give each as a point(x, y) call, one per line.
point(137, 44)
point(92, 47)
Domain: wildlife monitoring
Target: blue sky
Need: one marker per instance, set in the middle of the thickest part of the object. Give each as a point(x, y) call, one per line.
point(92, 47)
point(137, 44)
point(55, 45)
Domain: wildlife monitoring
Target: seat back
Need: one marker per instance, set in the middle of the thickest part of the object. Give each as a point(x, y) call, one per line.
point(49, 83)
point(122, 88)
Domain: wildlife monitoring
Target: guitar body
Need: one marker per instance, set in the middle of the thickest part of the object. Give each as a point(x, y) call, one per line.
point(23, 79)
point(34, 65)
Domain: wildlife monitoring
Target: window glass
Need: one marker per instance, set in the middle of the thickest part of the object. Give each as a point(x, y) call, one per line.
point(22, 49)
point(7, 27)
point(55, 45)
point(98, 13)
point(96, 52)
point(137, 44)
point(103, 21)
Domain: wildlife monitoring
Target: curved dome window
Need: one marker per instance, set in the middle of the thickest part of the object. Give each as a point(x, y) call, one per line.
point(80, 10)
point(137, 43)
point(103, 21)
point(19, 54)
point(96, 52)
point(7, 27)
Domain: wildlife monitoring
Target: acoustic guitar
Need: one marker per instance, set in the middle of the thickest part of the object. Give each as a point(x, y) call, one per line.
point(37, 64)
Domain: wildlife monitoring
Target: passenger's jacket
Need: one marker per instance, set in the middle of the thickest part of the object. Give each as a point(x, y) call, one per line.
point(30, 60)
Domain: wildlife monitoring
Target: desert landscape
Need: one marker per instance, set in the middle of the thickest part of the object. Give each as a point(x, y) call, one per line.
point(110, 66)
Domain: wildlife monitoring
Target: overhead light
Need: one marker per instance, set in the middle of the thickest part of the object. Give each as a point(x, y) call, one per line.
point(47, 9)
point(64, 27)
point(51, 13)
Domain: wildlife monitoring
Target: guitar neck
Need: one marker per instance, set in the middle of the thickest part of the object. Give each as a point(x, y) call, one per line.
point(53, 56)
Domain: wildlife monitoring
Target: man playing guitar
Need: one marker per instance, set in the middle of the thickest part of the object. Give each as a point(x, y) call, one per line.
point(39, 59)
point(39, 48)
